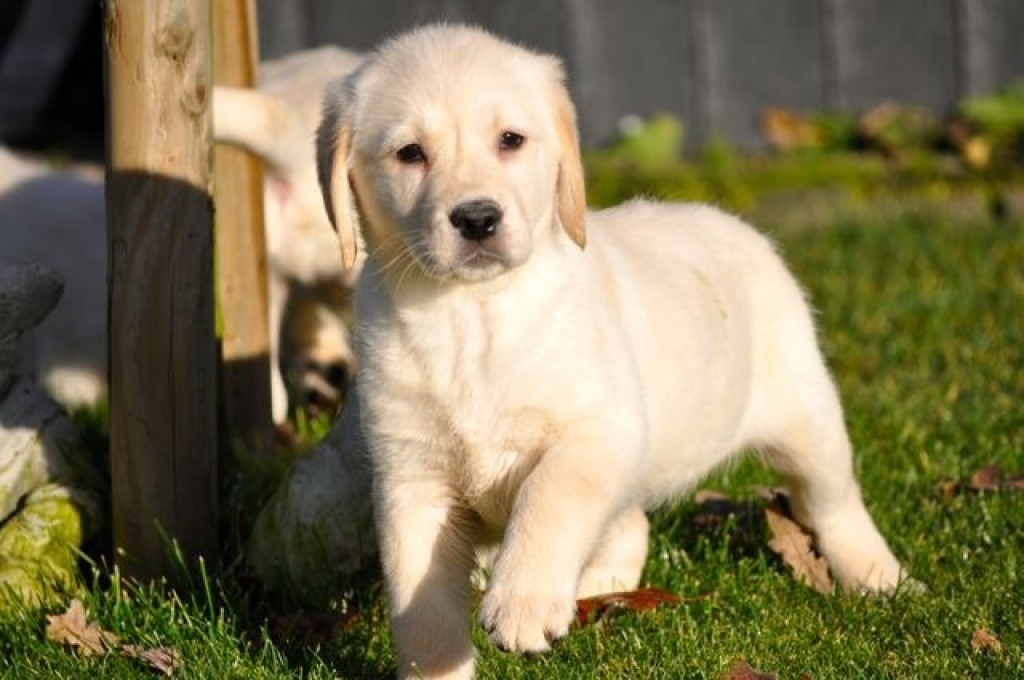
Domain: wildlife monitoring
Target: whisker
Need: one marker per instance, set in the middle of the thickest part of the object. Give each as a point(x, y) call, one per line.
point(380, 248)
point(403, 264)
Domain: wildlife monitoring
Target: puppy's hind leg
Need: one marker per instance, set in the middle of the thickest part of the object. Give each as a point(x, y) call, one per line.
point(811, 448)
point(277, 298)
point(619, 558)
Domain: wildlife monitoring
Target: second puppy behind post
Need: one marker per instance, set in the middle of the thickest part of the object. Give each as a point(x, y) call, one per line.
point(307, 282)
point(56, 217)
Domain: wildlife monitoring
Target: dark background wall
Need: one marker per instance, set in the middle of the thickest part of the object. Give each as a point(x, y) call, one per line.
point(717, 64)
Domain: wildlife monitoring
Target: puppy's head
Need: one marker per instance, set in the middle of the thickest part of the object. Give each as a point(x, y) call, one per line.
point(456, 152)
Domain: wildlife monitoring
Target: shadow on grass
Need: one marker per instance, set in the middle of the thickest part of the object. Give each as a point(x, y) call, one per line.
point(352, 639)
point(734, 529)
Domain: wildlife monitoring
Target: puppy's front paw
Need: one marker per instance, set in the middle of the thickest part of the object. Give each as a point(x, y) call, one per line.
point(526, 620)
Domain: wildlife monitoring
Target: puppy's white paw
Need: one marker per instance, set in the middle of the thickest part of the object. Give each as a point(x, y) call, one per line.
point(526, 620)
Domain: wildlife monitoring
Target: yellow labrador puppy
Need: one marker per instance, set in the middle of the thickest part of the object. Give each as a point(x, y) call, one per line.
point(533, 376)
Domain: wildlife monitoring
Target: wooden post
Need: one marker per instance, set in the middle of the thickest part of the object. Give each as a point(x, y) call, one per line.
point(163, 422)
point(241, 246)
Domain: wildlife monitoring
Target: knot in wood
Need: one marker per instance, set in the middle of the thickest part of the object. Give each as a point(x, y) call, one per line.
point(174, 39)
point(194, 97)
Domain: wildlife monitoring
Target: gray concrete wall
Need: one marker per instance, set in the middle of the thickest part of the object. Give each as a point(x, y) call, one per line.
point(715, 63)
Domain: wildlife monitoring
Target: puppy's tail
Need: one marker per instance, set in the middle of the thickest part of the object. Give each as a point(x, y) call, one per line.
point(264, 125)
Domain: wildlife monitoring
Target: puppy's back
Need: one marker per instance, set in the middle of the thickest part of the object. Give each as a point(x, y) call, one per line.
point(708, 308)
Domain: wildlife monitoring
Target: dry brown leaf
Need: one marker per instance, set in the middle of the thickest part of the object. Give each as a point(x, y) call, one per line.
point(164, 660)
point(984, 640)
point(991, 478)
point(741, 670)
point(796, 548)
point(988, 478)
point(787, 130)
point(592, 609)
point(985, 479)
point(948, 489)
point(72, 628)
point(1014, 483)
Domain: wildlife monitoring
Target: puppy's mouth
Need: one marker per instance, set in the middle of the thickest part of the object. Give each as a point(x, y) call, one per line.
point(463, 262)
point(477, 262)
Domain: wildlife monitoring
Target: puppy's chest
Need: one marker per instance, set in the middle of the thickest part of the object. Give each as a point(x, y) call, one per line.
point(493, 435)
point(479, 422)
point(472, 388)
point(490, 458)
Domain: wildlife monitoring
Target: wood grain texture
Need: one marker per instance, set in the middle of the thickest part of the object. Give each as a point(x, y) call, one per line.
point(240, 241)
point(163, 424)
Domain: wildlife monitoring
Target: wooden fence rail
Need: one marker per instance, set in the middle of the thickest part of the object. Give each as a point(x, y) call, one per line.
point(241, 245)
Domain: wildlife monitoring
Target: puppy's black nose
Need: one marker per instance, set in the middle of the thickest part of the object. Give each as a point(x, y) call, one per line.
point(476, 220)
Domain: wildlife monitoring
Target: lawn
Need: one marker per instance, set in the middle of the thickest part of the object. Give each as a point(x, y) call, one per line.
point(922, 321)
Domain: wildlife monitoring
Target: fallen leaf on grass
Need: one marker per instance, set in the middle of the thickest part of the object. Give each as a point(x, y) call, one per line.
point(164, 660)
point(592, 609)
point(991, 478)
point(796, 548)
point(988, 478)
point(985, 479)
point(984, 640)
point(71, 628)
point(948, 489)
point(789, 540)
point(741, 670)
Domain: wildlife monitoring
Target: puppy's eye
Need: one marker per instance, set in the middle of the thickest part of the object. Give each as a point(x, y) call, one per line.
point(510, 141)
point(411, 153)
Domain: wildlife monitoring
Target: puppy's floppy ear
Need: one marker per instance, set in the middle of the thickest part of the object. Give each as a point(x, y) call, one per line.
point(571, 191)
point(333, 148)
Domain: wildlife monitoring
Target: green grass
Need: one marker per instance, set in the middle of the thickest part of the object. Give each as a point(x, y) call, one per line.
point(923, 325)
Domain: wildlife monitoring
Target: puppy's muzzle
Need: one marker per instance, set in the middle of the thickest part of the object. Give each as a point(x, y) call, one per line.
point(476, 220)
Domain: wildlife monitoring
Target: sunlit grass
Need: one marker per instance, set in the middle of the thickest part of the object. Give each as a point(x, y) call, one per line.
point(923, 326)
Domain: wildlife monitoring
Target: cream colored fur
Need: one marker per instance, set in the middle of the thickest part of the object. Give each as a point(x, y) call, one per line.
point(306, 276)
point(56, 217)
point(538, 388)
